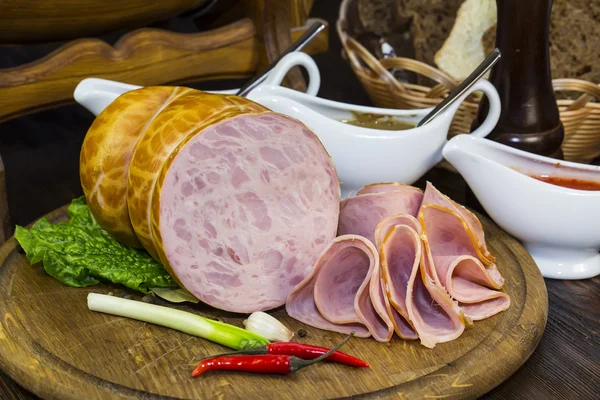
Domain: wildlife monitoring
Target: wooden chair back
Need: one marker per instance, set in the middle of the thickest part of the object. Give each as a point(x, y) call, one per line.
point(144, 56)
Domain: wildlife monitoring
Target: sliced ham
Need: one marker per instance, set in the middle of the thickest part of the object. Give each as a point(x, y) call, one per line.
point(474, 228)
point(383, 187)
point(395, 280)
point(360, 214)
point(430, 283)
point(242, 208)
point(433, 314)
point(343, 295)
point(453, 259)
point(301, 304)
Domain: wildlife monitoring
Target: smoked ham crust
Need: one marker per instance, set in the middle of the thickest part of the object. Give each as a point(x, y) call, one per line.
point(183, 117)
point(106, 155)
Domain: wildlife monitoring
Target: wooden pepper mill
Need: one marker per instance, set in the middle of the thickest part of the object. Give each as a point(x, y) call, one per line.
point(529, 119)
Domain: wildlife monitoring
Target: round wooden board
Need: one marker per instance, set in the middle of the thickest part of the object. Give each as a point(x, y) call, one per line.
point(55, 347)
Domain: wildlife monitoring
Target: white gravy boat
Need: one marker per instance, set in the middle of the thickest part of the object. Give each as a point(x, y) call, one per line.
point(361, 155)
point(560, 227)
point(365, 155)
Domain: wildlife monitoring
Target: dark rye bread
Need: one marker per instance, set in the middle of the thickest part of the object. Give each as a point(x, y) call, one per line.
point(574, 31)
point(426, 22)
point(574, 39)
point(432, 23)
point(379, 16)
point(373, 21)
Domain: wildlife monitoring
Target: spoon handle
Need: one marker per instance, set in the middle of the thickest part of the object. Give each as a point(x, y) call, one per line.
point(296, 46)
point(465, 85)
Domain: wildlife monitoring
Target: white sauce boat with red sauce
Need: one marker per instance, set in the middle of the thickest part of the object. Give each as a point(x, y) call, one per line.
point(361, 155)
point(559, 226)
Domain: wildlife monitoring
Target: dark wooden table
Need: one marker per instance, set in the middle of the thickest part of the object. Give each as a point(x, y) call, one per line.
point(41, 154)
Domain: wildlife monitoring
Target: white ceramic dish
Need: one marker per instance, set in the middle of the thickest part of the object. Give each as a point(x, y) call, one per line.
point(560, 227)
point(364, 155)
point(96, 94)
point(361, 155)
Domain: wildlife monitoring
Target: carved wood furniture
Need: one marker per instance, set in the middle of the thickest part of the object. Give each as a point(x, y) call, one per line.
point(145, 56)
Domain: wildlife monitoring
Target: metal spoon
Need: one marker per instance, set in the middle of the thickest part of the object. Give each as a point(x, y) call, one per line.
point(465, 85)
point(296, 46)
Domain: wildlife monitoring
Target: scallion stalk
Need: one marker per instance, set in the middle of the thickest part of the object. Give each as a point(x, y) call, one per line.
point(215, 331)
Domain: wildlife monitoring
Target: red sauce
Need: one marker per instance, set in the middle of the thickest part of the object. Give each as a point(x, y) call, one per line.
point(571, 183)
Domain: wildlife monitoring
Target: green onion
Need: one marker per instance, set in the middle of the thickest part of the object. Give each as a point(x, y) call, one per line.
point(218, 332)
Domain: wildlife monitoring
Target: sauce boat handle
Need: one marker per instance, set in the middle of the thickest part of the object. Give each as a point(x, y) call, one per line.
point(290, 61)
point(494, 111)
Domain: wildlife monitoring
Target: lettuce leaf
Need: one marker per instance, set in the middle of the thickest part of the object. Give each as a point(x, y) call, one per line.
point(80, 253)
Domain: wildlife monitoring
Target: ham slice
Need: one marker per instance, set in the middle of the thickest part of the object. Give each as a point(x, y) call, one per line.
point(383, 187)
point(339, 294)
point(360, 214)
point(435, 317)
point(301, 304)
point(474, 228)
point(395, 284)
point(453, 256)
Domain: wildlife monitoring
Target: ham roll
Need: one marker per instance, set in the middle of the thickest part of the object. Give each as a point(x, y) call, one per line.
point(181, 120)
point(236, 201)
point(241, 211)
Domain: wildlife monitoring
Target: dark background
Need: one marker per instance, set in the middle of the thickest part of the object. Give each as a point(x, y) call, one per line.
point(41, 151)
point(41, 158)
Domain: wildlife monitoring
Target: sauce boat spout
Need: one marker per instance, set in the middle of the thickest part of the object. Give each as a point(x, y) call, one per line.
point(557, 224)
point(460, 153)
point(96, 94)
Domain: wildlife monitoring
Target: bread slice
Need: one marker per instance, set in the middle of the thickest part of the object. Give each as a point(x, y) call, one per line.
point(460, 33)
point(575, 39)
point(378, 16)
point(464, 50)
point(432, 22)
point(574, 43)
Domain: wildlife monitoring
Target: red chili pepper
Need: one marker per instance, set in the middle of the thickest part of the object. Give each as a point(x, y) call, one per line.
point(301, 350)
point(263, 363)
point(309, 352)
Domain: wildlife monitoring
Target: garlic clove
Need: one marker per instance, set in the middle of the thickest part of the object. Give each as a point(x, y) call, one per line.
point(265, 325)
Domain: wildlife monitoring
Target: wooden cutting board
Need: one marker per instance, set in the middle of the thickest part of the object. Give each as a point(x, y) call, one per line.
point(55, 347)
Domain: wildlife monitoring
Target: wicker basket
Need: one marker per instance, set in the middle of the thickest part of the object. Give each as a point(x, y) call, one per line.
point(580, 117)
